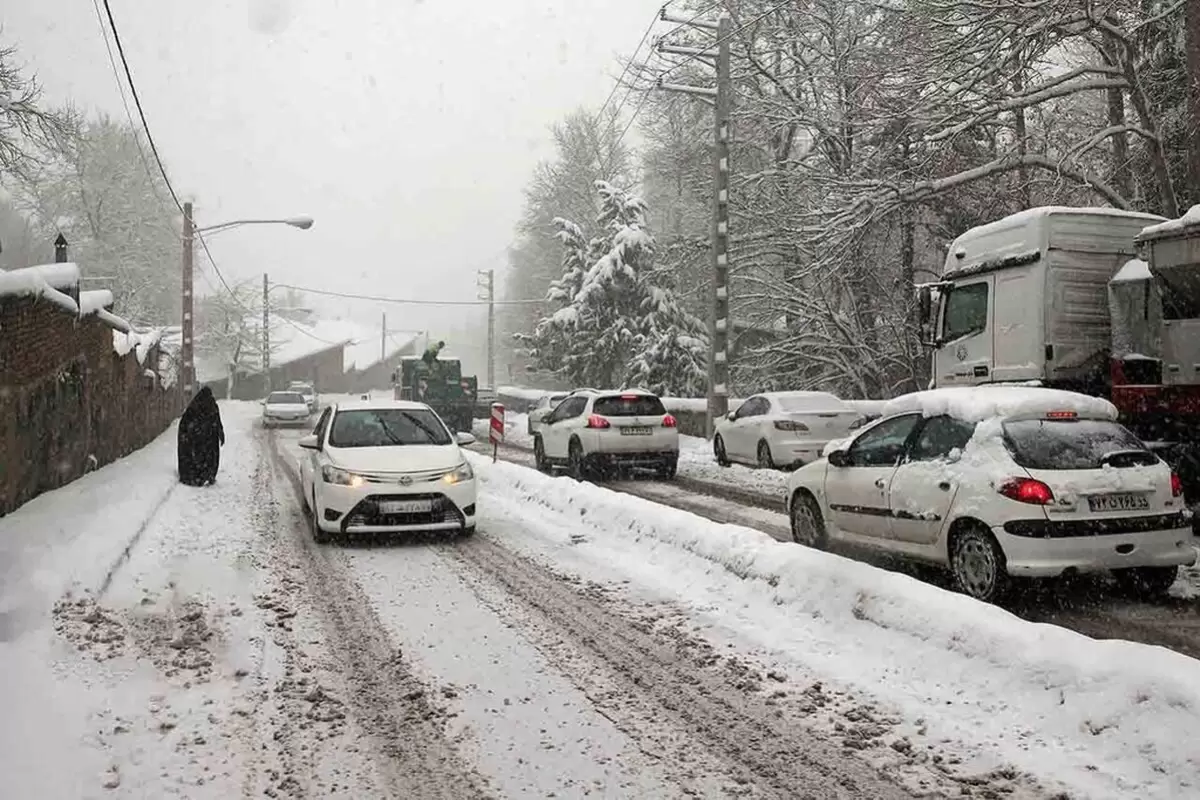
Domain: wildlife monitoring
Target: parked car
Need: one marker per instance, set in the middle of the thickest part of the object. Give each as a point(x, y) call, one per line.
point(382, 466)
point(591, 431)
point(782, 429)
point(543, 407)
point(285, 408)
point(999, 482)
point(309, 392)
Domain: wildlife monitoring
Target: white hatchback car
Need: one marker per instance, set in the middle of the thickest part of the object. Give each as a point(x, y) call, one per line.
point(783, 429)
point(591, 431)
point(533, 421)
point(386, 466)
point(285, 408)
point(997, 482)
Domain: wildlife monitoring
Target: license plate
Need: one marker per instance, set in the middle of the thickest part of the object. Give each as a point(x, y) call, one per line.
point(1118, 502)
point(635, 430)
point(406, 507)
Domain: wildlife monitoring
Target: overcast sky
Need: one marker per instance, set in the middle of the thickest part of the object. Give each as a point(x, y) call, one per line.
point(406, 128)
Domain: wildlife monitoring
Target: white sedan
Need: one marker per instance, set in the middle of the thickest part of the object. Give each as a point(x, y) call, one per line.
point(285, 408)
point(537, 414)
point(782, 429)
point(386, 466)
point(999, 482)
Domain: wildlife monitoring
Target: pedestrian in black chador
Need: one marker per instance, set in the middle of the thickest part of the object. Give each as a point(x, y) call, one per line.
point(200, 438)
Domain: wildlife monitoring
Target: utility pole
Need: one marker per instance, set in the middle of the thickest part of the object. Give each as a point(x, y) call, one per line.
point(489, 294)
point(266, 338)
point(187, 329)
point(719, 327)
point(383, 338)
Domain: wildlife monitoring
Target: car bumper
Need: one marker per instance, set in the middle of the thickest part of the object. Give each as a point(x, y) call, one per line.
point(296, 420)
point(653, 458)
point(350, 509)
point(797, 451)
point(1032, 557)
point(611, 443)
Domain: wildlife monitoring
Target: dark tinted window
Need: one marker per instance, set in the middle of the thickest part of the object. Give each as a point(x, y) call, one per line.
point(1073, 444)
point(940, 435)
point(883, 445)
point(569, 408)
point(629, 406)
point(322, 424)
point(385, 427)
point(966, 311)
point(285, 398)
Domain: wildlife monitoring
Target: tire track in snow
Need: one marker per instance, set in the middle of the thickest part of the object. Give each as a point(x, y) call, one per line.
point(123, 556)
point(407, 731)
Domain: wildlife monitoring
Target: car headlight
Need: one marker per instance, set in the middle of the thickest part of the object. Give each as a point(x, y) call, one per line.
point(461, 473)
point(331, 474)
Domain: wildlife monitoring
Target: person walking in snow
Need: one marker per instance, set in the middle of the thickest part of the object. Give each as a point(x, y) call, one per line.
point(201, 436)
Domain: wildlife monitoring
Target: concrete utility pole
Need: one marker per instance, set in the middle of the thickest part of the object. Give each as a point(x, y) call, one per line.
point(719, 327)
point(489, 294)
point(187, 327)
point(266, 337)
point(383, 338)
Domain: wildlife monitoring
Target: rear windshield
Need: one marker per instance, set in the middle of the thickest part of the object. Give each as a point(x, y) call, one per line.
point(285, 399)
point(812, 402)
point(1073, 444)
point(386, 427)
point(629, 406)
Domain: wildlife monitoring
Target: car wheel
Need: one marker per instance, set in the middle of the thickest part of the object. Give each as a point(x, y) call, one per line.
point(1146, 582)
point(808, 526)
point(719, 451)
point(470, 531)
point(978, 565)
point(764, 456)
point(669, 469)
point(539, 455)
point(576, 463)
point(319, 536)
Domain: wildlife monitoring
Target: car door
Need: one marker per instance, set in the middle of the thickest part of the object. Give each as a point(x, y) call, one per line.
point(857, 492)
point(965, 351)
point(743, 444)
point(309, 458)
point(556, 435)
point(922, 490)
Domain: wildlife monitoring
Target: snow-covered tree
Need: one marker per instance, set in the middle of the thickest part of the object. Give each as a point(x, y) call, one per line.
point(27, 130)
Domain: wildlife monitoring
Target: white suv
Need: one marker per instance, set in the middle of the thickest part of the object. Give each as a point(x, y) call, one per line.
point(386, 466)
point(1000, 481)
point(590, 431)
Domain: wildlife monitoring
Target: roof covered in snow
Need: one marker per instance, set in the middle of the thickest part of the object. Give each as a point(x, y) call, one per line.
point(1173, 226)
point(368, 350)
point(1134, 270)
point(49, 281)
point(977, 403)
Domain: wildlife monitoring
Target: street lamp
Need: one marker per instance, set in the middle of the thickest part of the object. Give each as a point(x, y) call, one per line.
point(190, 231)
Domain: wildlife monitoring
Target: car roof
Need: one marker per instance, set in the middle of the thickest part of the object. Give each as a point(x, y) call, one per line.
point(373, 405)
point(802, 395)
point(977, 403)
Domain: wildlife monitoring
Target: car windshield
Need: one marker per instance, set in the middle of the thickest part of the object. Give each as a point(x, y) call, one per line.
point(817, 401)
point(387, 427)
point(629, 405)
point(285, 399)
point(1073, 444)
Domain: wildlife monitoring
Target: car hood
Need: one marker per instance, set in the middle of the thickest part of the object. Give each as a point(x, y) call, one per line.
point(402, 458)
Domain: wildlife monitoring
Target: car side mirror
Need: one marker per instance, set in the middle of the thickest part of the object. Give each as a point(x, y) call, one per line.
point(310, 442)
point(464, 439)
point(838, 458)
point(731, 416)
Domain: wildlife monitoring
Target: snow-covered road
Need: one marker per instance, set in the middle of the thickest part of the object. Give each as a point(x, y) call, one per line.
point(161, 641)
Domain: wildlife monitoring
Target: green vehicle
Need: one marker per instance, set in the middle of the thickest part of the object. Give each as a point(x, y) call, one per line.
point(439, 383)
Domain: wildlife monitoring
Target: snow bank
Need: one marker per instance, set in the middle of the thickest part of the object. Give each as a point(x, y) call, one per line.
point(1188, 220)
point(1135, 269)
point(1108, 719)
point(976, 403)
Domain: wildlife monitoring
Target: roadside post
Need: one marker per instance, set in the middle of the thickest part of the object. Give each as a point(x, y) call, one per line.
point(496, 431)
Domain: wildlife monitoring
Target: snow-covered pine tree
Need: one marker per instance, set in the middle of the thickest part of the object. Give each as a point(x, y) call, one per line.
point(549, 347)
point(673, 343)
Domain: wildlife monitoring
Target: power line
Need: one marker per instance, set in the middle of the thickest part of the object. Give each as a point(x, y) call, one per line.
point(137, 101)
point(637, 50)
point(405, 301)
point(726, 38)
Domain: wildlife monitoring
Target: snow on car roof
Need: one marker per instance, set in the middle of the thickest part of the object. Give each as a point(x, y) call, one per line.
point(977, 403)
point(373, 405)
point(1135, 269)
point(806, 401)
point(1189, 220)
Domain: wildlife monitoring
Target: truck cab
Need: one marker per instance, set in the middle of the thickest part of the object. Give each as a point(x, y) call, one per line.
point(1025, 299)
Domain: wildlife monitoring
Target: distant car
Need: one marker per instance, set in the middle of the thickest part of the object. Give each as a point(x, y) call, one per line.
point(782, 429)
point(310, 394)
point(590, 431)
point(543, 407)
point(285, 408)
point(997, 482)
point(383, 466)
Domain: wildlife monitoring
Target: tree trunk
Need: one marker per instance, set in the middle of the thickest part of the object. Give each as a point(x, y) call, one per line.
point(1169, 206)
point(1192, 45)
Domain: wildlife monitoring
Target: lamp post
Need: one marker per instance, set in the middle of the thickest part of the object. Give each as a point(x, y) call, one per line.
point(190, 232)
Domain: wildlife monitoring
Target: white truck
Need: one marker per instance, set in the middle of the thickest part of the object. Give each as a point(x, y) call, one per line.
point(1059, 296)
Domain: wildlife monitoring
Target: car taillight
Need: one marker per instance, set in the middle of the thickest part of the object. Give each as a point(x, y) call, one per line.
point(669, 421)
point(1027, 490)
point(597, 421)
point(1176, 485)
point(790, 425)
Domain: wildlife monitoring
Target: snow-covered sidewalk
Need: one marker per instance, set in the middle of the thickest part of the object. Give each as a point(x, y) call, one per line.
point(1105, 719)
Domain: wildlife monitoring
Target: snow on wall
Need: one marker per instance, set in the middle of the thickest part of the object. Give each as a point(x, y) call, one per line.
point(95, 300)
point(45, 281)
point(977, 403)
point(140, 343)
point(1135, 269)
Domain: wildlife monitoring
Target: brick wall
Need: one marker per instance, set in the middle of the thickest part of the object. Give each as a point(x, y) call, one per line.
point(68, 402)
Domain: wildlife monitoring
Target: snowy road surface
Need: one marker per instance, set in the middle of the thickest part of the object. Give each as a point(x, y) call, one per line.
point(158, 640)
